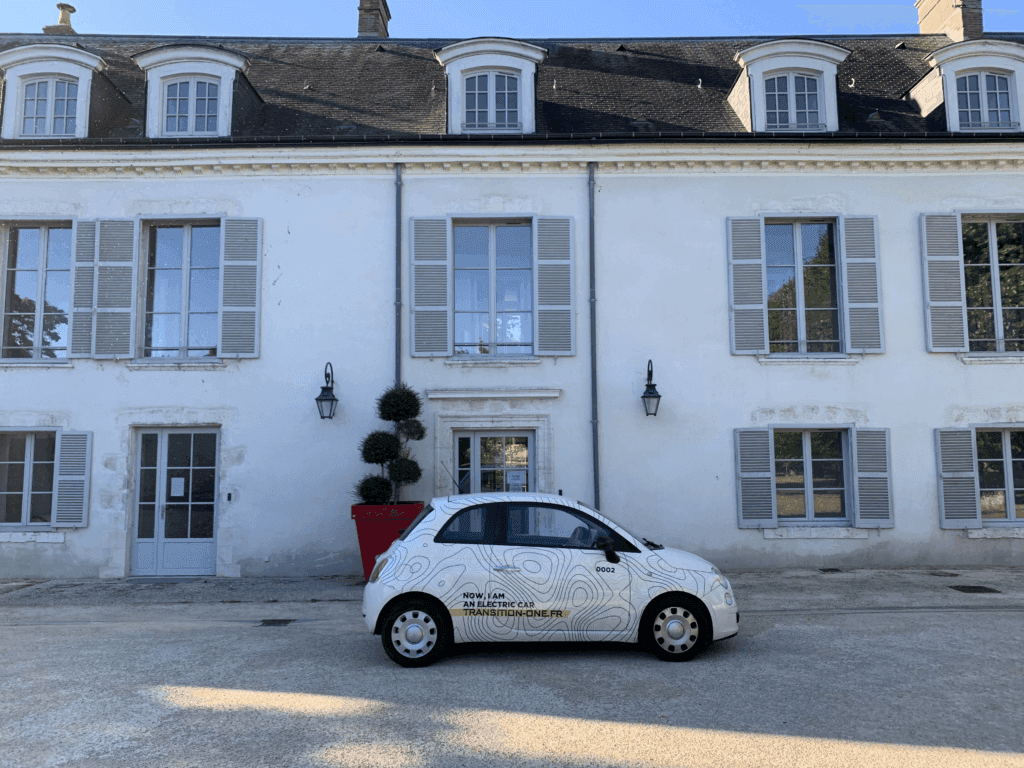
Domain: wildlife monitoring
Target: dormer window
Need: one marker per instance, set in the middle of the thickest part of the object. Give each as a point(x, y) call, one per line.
point(491, 85)
point(53, 84)
point(50, 108)
point(192, 107)
point(190, 90)
point(788, 85)
point(982, 84)
point(983, 101)
point(500, 113)
point(791, 103)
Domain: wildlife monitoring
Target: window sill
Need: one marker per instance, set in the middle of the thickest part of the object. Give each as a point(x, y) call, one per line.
point(490, 362)
point(815, 532)
point(1001, 532)
point(994, 358)
point(10, 363)
point(25, 536)
point(164, 364)
point(779, 360)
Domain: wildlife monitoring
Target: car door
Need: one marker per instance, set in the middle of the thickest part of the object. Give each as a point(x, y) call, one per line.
point(548, 580)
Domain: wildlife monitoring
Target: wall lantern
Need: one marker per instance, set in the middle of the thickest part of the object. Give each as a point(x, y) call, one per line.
point(650, 396)
point(326, 402)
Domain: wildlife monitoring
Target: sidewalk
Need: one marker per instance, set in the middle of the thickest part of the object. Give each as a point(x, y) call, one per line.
point(810, 590)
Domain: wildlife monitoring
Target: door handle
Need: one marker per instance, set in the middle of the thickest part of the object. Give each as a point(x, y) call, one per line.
point(509, 568)
point(163, 511)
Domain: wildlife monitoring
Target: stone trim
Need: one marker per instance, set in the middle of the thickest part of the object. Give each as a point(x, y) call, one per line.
point(38, 537)
point(996, 533)
point(808, 532)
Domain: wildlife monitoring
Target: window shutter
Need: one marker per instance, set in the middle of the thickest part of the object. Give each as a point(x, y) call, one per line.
point(872, 507)
point(83, 294)
point(241, 254)
point(755, 483)
point(959, 501)
point(555, 316)
point(862, 305)
point(945, 303)
point(431, 281)
point(71, 480)
point(114, 329)
point(748, 302)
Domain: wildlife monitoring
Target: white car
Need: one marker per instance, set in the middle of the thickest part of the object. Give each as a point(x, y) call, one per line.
point(528, 566)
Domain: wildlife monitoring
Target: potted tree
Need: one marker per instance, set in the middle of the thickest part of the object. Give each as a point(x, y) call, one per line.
point(381, 515)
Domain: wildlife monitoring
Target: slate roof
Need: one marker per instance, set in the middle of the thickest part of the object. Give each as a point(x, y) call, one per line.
point(360, 89)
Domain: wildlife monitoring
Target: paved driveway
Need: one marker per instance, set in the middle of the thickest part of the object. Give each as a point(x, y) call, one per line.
point(808, 682)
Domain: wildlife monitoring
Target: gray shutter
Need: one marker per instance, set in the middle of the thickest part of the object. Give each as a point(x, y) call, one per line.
point(555, 316)
point(83, 294)
point(755, 481)
point(748, 301)
point(872, 488)
point(959, 501)
point(431, 279)
point(71, 480)
point(945, 303)
point(862, 304)
point(241, 255)
point(114, 329)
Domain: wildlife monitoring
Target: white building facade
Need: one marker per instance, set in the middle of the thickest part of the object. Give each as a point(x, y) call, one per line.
point(838, 387)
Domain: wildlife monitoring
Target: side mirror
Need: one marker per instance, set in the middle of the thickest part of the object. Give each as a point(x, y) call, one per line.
point(606, 544)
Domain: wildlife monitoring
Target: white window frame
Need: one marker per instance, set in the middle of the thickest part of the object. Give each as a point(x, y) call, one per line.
point(810, 58)
point(488, 54)
point(492, 125)
point(32, 63)
point(990, 221)
point(986, 124)
point(170, 64)
point(1009, 489)
point(193, 82)
point(791, 94)
point(969, 57)
point(26, 500)
point(146, 228)
point(51, 105)
point(5, 234)
point(474, 470)
point(848, 501)
point(492, 287)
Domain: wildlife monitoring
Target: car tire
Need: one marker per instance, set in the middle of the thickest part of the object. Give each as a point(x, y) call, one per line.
point(676, 628)
point(415, 633)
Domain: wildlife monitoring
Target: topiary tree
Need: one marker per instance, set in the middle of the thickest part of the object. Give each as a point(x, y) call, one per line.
point(400, 405)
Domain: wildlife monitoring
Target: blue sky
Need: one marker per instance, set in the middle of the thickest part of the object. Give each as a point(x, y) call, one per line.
point(506, 18)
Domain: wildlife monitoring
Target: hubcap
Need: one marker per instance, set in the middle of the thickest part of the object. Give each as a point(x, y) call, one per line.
point(413, 634)
point(676, 629)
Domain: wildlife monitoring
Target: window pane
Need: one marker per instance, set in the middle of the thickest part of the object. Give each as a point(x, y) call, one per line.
point(202, 522)
point(176, 521)
point(147, 485)
point(58, 249)
point(827, 474)
point(990, 445)
point(164, 291)
point(1017, 445)
point(514, 328)
point(58, 292)
point(981, 326)
point(471, 290)
point(204, 450)
point(817, 244)
point(993, 505)
point(202, 330)
point(166, 247)
point(465, 452)
point(12, 478)
point(514, 247)
point(45, 447)
point(40, 508)
point(1010, 243)
point(205, 242)
point(822, 325)
point(991, 474)
point(515, 289)
point(147, 514)
point(472, 333)
point(22, 292)
point(820, 287)
point(779, 248)
point(471, 247)
point(790, 504)
point(179, 450)
point(978, 285)
point(203, 481)
point(829, 504)
point(781, 288)
point(826, 445)
point(789, 445)
point(789, 474)
point(19, 332)
point(1011, 286)
point(12, 448)
point(42, 477)
point(203, 290)
point(149, 447)
point(24, 249)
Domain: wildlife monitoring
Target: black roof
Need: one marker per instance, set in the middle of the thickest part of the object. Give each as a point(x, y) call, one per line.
point(391, 89)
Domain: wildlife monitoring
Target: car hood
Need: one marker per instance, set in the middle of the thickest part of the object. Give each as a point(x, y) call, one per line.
point(679, 558)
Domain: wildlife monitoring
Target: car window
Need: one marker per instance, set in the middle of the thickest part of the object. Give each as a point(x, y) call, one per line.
point(474, 525)
point(419, 518)
point(539, 525)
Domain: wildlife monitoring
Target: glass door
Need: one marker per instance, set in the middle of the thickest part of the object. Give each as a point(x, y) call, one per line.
point(494, 462)
point(175, 510)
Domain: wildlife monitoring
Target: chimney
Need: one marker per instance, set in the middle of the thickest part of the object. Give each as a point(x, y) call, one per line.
point(63, 25)
point(959, 20)
point(374, 16)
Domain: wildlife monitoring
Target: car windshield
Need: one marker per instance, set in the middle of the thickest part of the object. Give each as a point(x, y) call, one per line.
point(419, 518)
point(650, 544)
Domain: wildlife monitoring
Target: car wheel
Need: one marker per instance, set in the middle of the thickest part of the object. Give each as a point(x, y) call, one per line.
point(415, 633)
point(675, 628)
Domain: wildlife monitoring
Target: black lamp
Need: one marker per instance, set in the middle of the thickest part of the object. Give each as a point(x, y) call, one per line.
point(650, 396)
point(326, 402)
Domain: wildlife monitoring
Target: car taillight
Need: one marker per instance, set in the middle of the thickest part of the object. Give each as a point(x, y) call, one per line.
point(375, 573)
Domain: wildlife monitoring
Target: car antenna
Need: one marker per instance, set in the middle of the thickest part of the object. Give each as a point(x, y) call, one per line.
point(458, 490)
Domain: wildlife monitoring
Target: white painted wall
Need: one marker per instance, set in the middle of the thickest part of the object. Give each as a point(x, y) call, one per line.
point(328, 292)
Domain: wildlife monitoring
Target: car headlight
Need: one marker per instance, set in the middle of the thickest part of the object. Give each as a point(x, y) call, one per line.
point(721, 578)
point(375, 573)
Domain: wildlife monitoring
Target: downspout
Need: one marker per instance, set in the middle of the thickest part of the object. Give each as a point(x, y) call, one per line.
point(398, 273)
point(593, 346)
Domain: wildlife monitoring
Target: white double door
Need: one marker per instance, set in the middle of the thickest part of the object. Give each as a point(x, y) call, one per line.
point(175, 510)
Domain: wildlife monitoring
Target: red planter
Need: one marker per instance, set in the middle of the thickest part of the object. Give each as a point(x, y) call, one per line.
point(377, 525)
